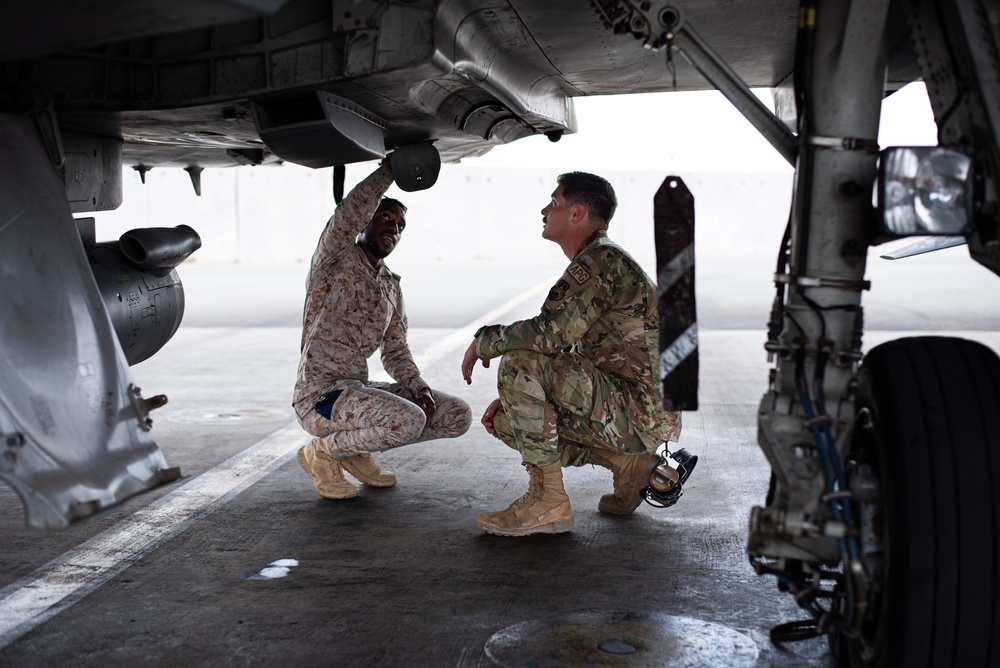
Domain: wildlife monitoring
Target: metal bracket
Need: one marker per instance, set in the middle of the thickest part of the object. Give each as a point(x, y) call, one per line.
point(823, 282)
point(144, 406)
point(841, 143)
point(12, 444)
point(43, 110)
point(661, 25)
point(33, 101)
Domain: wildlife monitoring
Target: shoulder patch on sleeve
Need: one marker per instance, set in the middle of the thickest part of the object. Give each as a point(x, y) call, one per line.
point(579, 274)
point(558, 291)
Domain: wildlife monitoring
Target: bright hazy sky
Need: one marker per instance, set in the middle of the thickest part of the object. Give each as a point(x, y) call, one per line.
point(691, 131)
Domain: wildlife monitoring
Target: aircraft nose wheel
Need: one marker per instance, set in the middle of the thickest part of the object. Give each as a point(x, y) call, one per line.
point(925, 453)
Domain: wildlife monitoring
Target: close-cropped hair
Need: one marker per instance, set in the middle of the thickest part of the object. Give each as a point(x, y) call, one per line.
point(392, 200)
point(592, 191)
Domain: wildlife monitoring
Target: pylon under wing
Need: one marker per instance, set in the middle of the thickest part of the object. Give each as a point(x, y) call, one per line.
point(74, 436)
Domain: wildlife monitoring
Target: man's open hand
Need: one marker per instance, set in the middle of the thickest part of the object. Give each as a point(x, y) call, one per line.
point(469, 362)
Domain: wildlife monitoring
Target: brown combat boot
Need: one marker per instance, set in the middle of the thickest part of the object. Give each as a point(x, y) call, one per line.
point(543, 509)
point(631, 476)
point(325, 472)
point(364, 468)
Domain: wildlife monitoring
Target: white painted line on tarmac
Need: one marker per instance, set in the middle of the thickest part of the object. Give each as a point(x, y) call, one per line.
point(56, 586)
point(65, 580)
point(462, 337)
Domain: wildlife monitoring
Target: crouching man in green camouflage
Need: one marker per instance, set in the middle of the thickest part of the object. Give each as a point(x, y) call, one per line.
point(577, 382)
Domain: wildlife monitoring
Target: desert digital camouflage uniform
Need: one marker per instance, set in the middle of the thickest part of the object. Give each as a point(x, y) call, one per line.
point(352, 309)
point(581, 374)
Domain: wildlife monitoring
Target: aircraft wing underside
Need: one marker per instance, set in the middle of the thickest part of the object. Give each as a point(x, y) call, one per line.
point(322, 82)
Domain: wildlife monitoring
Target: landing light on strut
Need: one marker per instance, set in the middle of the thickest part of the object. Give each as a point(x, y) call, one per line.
point(925, 190)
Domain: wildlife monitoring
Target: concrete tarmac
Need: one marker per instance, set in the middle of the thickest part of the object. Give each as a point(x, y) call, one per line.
point(240, 563)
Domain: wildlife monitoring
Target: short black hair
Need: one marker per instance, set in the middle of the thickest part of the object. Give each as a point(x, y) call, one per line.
point(593, 192)
point(392, 200)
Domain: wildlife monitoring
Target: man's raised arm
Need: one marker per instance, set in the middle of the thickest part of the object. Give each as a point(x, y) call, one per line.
point(354, 212)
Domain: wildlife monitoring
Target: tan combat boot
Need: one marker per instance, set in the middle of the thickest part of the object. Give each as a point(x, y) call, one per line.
point(543, 509)
point(631, 476)
point(325, 472)
point(364, 468)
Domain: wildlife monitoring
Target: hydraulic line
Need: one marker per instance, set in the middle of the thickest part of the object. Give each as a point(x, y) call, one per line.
point(832, 471)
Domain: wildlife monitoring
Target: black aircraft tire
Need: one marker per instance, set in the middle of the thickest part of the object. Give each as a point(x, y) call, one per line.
point(935, 409)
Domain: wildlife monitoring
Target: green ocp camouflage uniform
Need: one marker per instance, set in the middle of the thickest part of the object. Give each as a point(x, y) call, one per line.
point(353, 309)
point(582, 373)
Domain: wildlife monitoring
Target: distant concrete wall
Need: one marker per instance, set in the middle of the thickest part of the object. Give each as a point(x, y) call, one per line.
point(273, 215)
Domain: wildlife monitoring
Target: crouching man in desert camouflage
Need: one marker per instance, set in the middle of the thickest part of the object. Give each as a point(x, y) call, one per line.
point(353, 307)
point(578, 382)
